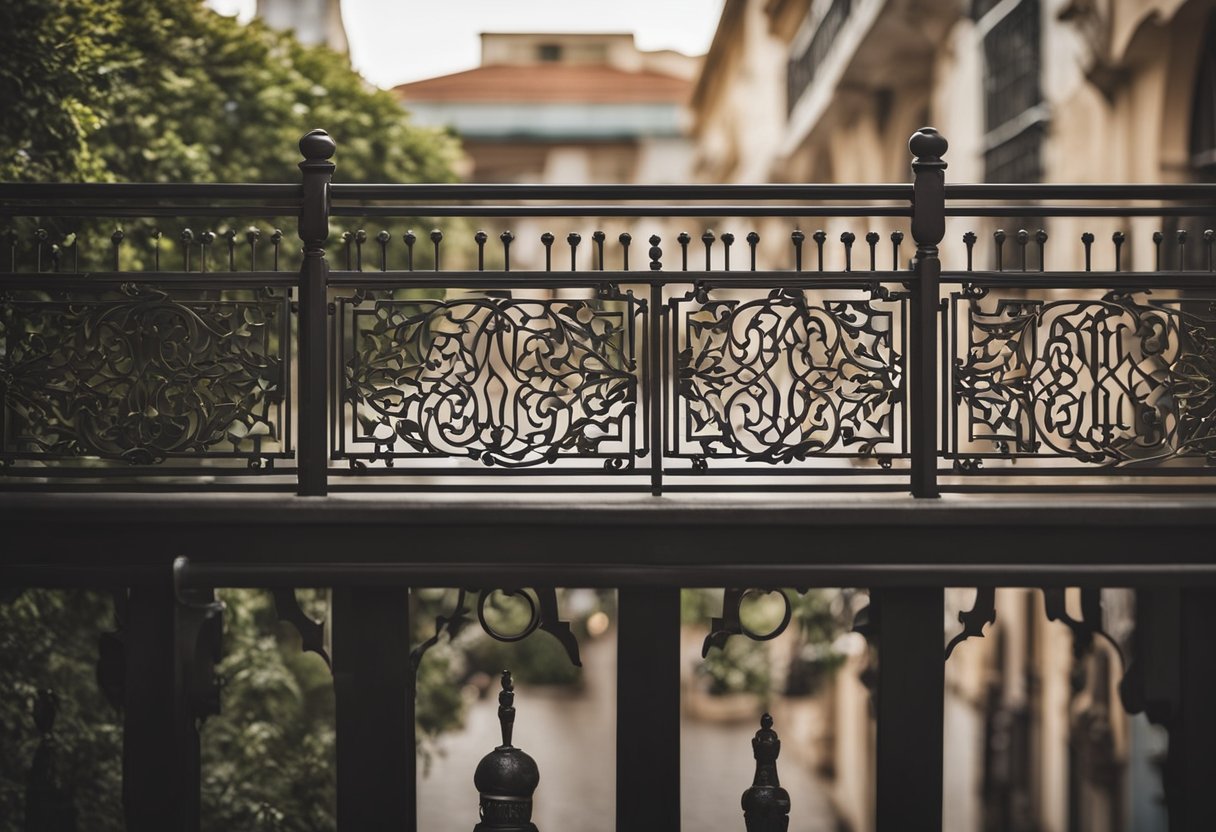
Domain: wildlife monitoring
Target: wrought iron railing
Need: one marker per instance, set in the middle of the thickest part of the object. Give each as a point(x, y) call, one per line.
point(717, 362)
point(803, 67)
point(766, 358)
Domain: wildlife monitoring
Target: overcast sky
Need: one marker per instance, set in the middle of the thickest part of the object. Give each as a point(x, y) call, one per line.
point(394, 41)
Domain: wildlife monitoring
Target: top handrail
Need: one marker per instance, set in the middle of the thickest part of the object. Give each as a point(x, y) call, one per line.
point(149, 190)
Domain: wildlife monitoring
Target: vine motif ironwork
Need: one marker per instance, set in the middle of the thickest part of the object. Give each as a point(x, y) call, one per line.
point(139, 376)
point(1115, 381)
point(511, 382)
point(784, 378)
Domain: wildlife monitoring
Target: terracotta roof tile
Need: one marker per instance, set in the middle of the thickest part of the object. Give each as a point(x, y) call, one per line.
point(563, 83)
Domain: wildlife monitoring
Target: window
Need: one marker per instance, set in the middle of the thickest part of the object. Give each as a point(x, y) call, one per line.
point(1013, 116)
point(549, 53)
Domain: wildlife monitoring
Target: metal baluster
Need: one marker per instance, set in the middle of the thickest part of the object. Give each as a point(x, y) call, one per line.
point(187, 238)
point(728, 240)
point(998, 237)
point(383, 238)
point(1208, 236)
point(205, 241)
point(12, 249)
point(848, 239)
point(252, 235)
point(231, 237)
point(625, 239)
point(116, 238)
point(546, 240)
point(155, 237)
point(40, 238)
point(275, 240)
point(598, 238)
point(360, 239)
point(573, 239)
point(1118, 239)
point(55, 254)
point(897, 237)
point(655, 348)
point(1023, 238)
point(347, 239)
point(409, 238)
point(507, 237)
point(1182, 249)
point(1157, 238)
point(480, 238)
point(708, 239)
point(1087, 240)
point(683, 239)
point(969, 239)
point(1040, 237)
point(436, 239)
point(872, 240)
point(753, 240)
point(798, 238)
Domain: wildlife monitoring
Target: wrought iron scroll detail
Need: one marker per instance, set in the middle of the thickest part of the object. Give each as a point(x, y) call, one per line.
point(312, 632)
point(509, 382)
point(981, 614)
point(731, 622)
point(782, 378)
point(1115, 381)
point(138, 376)
point(542, 615)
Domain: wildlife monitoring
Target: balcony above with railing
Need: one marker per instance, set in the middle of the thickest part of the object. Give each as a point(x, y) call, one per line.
point(140, 349)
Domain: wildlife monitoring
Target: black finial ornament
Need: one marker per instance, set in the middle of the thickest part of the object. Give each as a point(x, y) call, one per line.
point(506, 777)
point(766, 806)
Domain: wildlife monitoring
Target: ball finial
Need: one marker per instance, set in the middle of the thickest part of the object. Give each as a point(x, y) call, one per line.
point(927, 143)
point(316, 146)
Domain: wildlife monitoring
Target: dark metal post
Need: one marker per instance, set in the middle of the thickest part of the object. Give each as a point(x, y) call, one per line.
point(648, 710)
point(911, 684)
point(151, 759)
point(928, 227)
point(374, 702)
point(1194, 731)
point(317, 147)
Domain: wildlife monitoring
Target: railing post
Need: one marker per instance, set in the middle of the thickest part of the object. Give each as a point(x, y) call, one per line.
point(911, 684)
point(648, 709)
point(317, 147)
point(374, 709)
point(928, 227)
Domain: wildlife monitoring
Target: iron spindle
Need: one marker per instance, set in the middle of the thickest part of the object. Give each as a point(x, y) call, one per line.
point(187, 238)
point(1181, 249)
point(12, 249)
point(1087, 240)
point(998, 237)
point(683, 239)
point(409, 238)
point(1118, 239)
point(348, 240)
point(480, 238)
point(598, 238)
point(766, 806)
point(116, 238)
point(546, 240)
point(708, 239)
point(897, 237)
point(753, 239)
point(230, 236)
point(872, 239)
point(252, 235)
point(383, 239)
point(969, 239)
point(1040, 237)
point(205, 241)
point(820, 237)
point(573, 239)
point(848, 238)
point(276, 240)
point(728, 240)
point(797, 238)
point(436, 239)
point(1023, 239)
point(507, 237)
point(625, 239)
point(1208, 236)
point(40, 237)
point(1157, 238)
point(360, 239)
point(154, 236)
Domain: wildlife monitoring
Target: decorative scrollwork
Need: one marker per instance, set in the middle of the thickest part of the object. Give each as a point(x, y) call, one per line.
point(542, 615)
point(312, 632)
point(731, 622)
point(981, 614)
point(138, 376)
point(781, 378)
point(509, 382)
point(1115, 381)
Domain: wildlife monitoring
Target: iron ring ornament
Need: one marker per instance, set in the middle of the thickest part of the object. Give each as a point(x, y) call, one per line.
point(731, 621)
point(542, 615)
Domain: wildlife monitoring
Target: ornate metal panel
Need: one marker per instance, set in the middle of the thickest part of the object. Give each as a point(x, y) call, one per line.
point(1117, 380)
point(508, 381)
point(789, 375)
point(136, 374)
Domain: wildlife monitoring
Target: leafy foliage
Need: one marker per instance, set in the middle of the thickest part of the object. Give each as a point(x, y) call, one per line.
point(170, 91)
